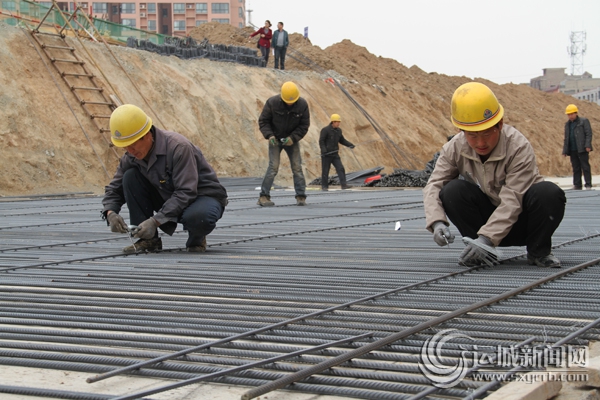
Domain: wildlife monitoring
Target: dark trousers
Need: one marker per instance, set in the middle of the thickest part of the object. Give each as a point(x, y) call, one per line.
point(543, 208)
point(581, 162)
point(326, 162)
point(280, 57)
point(265, 53)
point(199, 218)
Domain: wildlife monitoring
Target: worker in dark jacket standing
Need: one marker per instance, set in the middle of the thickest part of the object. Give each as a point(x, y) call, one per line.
point(161, 172)
point(284, 121)
point(577, 145)
point(331, 135)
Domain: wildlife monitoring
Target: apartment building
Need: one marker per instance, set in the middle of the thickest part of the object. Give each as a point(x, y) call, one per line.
point(170, 17)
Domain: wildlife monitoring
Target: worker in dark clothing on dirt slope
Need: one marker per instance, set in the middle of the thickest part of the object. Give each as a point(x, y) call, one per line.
point(164, 172)
point(502, 200)
point(284, 121)
point(330, 137)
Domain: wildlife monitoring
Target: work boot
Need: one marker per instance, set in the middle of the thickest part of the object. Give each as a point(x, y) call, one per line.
point(144, 245)
point(198, 249)
point(576, 188)
point(588, 187)
point(265, 201)
point(548, 261)
point(324, 188)
point(346, 187)
point(300, 200)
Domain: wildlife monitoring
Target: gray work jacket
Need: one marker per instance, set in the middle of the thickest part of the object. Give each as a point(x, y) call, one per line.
point(176, 168)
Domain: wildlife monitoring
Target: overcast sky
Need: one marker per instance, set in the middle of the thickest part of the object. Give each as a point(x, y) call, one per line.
point(502, 40)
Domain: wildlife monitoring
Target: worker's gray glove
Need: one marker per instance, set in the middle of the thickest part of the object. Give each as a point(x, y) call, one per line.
point(147, 229)
point(287, 141)
point(272, 141)
point(352, 146)
point(116, 222)
point(441, 234)
point(478, 251)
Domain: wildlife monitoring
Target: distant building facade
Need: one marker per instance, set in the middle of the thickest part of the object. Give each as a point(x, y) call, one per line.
point(592, 95)
point(170, 17)
point(556, 80)
point(550, 81)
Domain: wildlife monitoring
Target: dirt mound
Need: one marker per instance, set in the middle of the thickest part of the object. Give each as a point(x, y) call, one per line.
point(51, 146)
point(217, 33)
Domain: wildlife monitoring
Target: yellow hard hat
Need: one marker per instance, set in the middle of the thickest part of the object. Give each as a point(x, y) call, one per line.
point(571, 108)
point(128, 124)
point(335, 118)
point(290, 93)
point(475, 107)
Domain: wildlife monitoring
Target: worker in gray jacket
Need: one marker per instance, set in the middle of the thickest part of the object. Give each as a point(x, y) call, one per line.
point(329, 140)
point(165, 180)
point(578, 145)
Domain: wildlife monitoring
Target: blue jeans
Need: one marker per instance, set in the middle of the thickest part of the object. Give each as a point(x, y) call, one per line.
point(199, 218)
point(280, 56)
point(293, 153)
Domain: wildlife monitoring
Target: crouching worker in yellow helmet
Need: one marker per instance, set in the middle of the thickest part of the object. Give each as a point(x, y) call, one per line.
point(164, 179)
point(501, 200)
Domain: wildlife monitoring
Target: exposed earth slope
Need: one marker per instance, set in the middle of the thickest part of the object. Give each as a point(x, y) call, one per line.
point(216, 105)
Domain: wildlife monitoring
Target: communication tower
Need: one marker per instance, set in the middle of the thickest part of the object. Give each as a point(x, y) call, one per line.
point(576, 51)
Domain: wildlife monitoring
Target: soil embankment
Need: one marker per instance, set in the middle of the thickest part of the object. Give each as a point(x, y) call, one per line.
point(216, 105)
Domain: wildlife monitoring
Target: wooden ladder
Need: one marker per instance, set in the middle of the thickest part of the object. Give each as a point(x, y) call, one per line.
point(93, 98)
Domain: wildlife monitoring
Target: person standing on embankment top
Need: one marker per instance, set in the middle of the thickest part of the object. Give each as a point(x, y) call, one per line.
point(503, 200)
point(264, 43)
point(578, 145)
point(284, 121)
point(164, 172)
point(279, 44)
point(329, 139)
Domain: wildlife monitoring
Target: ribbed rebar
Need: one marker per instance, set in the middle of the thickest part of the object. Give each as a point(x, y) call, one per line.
point(327, 271)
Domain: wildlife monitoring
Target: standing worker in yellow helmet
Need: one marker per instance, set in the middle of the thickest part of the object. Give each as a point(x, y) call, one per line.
point(577, 145)
point(164, 179)
point(330, 136)
point(502, 200)
point(284, 121)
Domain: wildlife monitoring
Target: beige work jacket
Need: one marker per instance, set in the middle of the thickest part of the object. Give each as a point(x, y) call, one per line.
point(506, 175)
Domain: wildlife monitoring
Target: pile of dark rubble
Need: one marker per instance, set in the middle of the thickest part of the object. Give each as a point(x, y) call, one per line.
point(402, 178)
point(333, 180)
point(188, 48)
point(373, 178)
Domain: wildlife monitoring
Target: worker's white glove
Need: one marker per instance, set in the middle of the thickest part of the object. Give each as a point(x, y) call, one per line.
point(116, 222)
point(441, 234)
point(478, 251)
point(146, 230)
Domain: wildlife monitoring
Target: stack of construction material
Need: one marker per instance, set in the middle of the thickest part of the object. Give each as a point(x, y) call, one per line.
point(403, 178)
point(188, 48)
point(354, 178)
